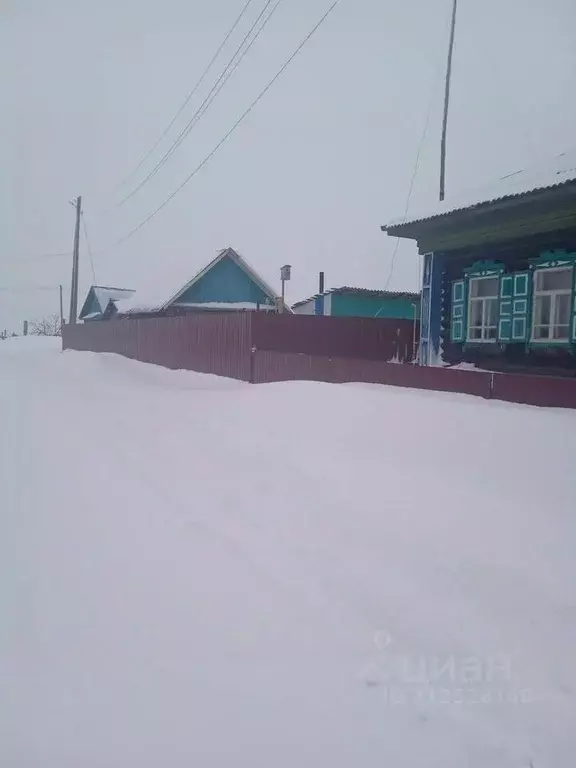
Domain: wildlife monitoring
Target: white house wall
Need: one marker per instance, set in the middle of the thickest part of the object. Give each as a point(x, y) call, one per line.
point(304, 309)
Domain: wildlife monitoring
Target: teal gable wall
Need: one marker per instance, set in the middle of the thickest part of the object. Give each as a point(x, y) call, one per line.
point(93, 305)
point(357, 305)
point(225, 282)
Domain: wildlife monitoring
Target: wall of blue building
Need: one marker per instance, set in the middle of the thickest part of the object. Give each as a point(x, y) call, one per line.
point(361, 305)
point(365, 305)
point(431, 310)
point(526, 255)
point(225, 282)
point(91, 306)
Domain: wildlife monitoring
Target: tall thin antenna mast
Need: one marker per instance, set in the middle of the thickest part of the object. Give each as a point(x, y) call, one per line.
point(447, 102)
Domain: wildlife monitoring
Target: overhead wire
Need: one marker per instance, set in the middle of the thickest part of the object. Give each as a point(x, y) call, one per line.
point(221, 81)
point(87, 240)
point(409, 195)
point(226, 136)
point(53, 255)
point(188, 98)
point(26, 288)
point(413, 177)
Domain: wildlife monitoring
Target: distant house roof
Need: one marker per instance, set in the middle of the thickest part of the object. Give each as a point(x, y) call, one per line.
point(98, 298)
point(368, 292)
point(166, 290)
point(559, 171)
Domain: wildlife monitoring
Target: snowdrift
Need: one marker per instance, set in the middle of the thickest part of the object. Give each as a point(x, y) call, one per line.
point(197, 572)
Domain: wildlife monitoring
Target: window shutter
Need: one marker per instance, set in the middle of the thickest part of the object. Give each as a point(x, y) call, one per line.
point(458, 311)
point(505, 308)
point(521, 291)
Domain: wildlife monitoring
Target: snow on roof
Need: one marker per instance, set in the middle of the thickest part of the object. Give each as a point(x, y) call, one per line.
point(165, 286)
point(155, 287)
point(234, 305)
point(368, 292)
point(105, 294)
point(553, 173)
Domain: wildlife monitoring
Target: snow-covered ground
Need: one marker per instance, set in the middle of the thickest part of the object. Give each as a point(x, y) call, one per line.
point(197, 572)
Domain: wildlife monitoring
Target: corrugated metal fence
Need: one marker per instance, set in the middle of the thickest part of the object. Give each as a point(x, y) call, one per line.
point(222, 343)
point(208, 343)
point(351, 337)
point(262, 348)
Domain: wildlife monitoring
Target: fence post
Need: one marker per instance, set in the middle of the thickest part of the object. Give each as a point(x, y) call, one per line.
point(253, 365)
point(491, 388)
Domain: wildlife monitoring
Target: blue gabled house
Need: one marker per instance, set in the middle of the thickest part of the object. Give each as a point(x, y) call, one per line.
point(97, 303)
point(227, 284)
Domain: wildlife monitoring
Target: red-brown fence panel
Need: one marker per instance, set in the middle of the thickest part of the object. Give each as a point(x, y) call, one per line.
point(282, 366)
point(352, 337)
point(224, 344)
point(209, 343)
point(535, 390)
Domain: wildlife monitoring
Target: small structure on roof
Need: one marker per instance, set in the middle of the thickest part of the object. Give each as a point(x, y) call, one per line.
point(227, 284)
point(499, 277)
point(361, 302)
point(99, 301)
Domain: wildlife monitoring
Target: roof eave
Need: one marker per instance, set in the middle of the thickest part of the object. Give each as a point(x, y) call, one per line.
point(415, 228)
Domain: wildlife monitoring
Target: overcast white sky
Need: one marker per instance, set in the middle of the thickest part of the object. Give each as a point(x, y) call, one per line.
point(308, 178)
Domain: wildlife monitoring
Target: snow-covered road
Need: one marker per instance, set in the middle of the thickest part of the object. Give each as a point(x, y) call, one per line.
point(198, 572)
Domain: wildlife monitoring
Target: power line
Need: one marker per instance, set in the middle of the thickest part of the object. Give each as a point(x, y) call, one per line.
point(410, 189)
point(412, 180)
point(33, 256)
point(88, 247)
point(27, 288)
point(188, 97)
point(242, 117)
point(408, 198)
point(225, 75)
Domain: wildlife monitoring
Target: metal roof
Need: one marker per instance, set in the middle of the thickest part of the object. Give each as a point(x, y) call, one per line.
point(369, 292)
point(559, 171)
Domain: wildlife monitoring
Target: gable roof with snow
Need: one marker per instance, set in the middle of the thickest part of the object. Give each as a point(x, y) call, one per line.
point(515, 187)
point(98, 299)
point(227, 282)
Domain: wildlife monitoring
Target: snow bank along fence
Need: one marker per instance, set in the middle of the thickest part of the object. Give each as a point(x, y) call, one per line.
point(262, 348)
point(228, 344)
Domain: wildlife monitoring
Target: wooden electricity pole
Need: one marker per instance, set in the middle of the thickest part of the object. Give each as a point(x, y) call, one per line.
point(75, 259)
point(61, 308)
point(447, 102)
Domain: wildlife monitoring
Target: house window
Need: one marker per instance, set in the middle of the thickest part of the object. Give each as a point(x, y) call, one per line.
point(483, 308)
point(552, 304)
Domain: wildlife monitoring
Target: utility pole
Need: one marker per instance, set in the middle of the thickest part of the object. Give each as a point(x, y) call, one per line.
point(61, 309)
point(75, 259)
point(447, 102)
